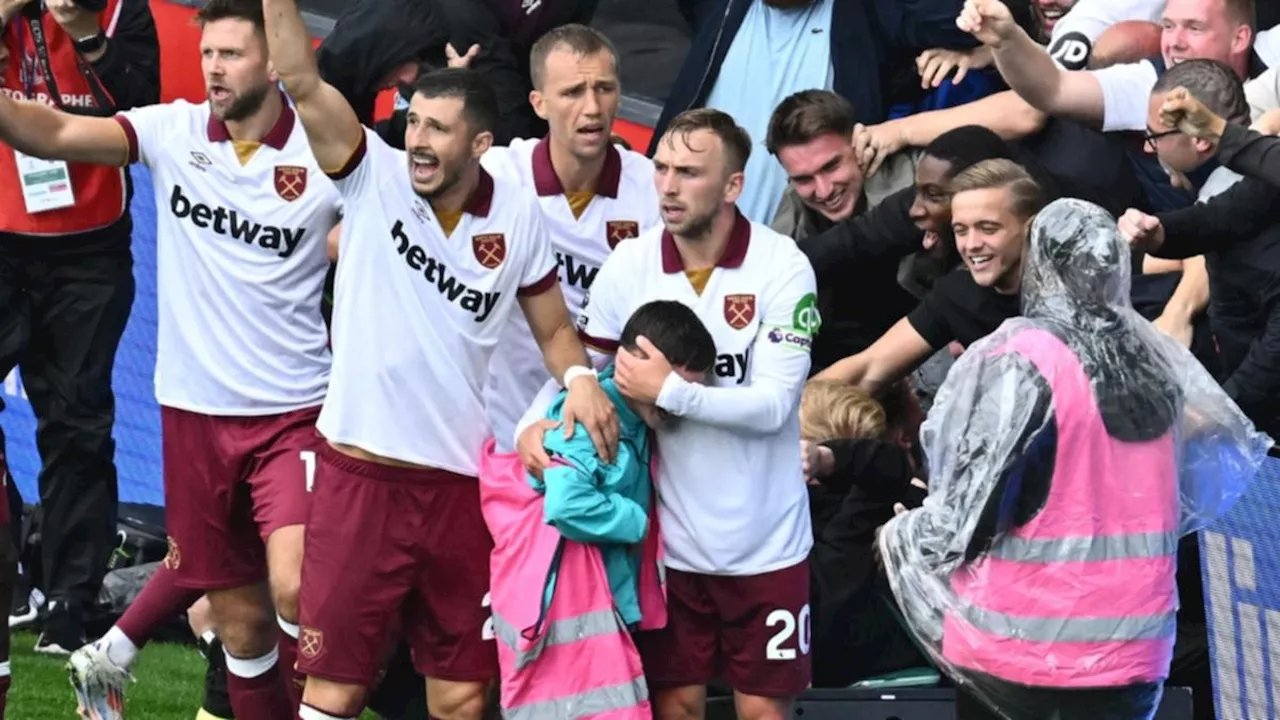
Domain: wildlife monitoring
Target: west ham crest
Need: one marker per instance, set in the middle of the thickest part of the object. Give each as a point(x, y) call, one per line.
point(619, 230)
point(310, 642)
point(291, 181)
point(490, 249)
point(739, 310)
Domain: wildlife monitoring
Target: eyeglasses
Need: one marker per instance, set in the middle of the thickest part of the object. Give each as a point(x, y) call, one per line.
point(1152, 137)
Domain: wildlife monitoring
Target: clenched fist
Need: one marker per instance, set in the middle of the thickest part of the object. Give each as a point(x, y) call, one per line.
point(1184, 112)
point(988, 20)
point(1142, 231)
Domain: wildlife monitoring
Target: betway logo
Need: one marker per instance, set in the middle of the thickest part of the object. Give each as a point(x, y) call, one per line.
point(733, 365)
point(478, 303)
point(229, 222)
point(576, 272)
point(1246, 636)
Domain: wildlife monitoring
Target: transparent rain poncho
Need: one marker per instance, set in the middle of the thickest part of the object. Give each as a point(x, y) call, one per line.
point(1067, 452)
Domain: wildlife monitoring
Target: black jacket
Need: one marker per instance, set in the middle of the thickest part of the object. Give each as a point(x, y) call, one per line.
point(847, 508)
point(505, 39)
point(867, 37)
point(1238, 232)
point(370, 39)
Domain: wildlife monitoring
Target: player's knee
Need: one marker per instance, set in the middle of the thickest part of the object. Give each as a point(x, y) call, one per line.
point(686, 703)
point(456, 701)
point(245, 621)
point(337, 699)
point(284, 595)
point(752, 707)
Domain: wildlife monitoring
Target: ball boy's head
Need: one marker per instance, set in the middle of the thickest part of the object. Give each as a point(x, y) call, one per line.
point(679, 335)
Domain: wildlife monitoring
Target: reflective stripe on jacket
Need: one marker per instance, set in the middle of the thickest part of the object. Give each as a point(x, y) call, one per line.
point(570, 655)
point(1084, 594)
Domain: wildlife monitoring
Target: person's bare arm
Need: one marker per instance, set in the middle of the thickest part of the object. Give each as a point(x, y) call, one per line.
point(44, 132)
point(553, 330)
point(1189, 299)
point(899, 351)
point(332, 127)
point(1028, 68)
point(1006, 114)
point(1152, 265)
point(561, 350)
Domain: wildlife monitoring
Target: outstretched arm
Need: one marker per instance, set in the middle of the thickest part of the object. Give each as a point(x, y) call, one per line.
point(332, 126)
point(44, 132)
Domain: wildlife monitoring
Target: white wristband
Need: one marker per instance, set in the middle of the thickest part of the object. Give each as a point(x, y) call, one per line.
point(577, 371)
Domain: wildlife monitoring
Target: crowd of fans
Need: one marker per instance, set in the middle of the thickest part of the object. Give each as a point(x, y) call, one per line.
point(906, 148)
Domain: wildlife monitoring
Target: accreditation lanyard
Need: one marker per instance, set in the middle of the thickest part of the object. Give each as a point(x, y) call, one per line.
point(36, 27)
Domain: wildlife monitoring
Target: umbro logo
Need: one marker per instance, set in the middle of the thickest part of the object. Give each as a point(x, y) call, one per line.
point(200, 161)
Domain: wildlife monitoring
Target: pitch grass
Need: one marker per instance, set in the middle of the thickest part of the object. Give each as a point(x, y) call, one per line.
point(170, 684)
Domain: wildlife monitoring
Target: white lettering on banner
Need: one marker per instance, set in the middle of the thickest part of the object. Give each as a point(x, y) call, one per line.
point(1238, 634)
point(68, 99)
point(13, 385)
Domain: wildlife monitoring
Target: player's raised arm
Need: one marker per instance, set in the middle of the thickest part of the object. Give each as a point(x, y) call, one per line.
point(332, 126)
point(44, 132)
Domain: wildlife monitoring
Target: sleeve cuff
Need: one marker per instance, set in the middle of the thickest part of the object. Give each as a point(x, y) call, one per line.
point(130, 135)
point(352, 162)
point(541, 285)
point(1233, 138)
point(608, 347)
point(672, 396)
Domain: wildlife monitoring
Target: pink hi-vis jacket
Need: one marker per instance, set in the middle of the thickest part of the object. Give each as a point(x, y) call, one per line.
point(574, 658)
point(1083, 595)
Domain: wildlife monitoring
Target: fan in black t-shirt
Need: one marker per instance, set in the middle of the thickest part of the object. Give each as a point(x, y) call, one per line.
point(958, 309)
point(992, 204)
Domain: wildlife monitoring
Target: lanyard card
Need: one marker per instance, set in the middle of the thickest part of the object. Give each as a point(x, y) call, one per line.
point(46, 184)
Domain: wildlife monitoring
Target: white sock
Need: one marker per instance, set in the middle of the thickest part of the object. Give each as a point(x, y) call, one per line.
point(4, 669)
point(290, 629)
point(120, 649)
point(306, 712)
point(251, 667)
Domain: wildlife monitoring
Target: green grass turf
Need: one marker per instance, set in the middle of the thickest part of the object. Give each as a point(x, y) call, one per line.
point(170, 684)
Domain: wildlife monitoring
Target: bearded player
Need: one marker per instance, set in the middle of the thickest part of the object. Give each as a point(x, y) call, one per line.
point(242, 360)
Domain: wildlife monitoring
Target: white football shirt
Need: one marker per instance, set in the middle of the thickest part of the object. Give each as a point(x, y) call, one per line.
point(417, 314)
point(1077, 31)
point(241, 262)
point(732, 495)
point(1126, 90)
point(625, 203)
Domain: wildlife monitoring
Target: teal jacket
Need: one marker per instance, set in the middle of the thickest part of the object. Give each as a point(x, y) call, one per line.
point(606, 505)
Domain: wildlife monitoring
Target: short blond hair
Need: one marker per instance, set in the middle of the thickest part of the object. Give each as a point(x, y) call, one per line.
point(830, 410)
point(1025, 198)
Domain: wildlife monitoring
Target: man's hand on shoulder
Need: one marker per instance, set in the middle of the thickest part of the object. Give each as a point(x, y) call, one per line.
point(588, 404)
point(531, 449)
